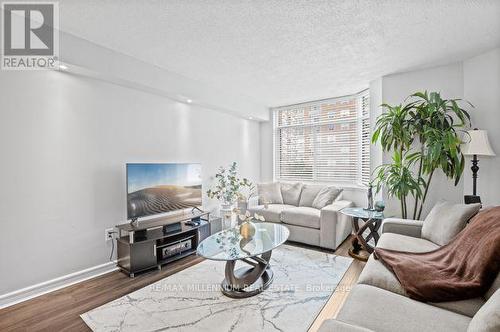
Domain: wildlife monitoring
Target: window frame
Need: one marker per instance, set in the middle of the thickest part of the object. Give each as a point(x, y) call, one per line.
point(362, 118)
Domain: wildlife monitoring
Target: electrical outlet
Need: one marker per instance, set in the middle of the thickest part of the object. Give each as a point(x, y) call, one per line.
point(108, 234)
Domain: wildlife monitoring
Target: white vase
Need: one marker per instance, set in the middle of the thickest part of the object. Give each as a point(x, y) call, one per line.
point(226, 212)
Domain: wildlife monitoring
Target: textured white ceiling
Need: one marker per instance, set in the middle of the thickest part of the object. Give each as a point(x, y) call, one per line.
point(282, 52)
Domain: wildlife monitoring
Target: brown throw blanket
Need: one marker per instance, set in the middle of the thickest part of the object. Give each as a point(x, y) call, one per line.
point(464, 268)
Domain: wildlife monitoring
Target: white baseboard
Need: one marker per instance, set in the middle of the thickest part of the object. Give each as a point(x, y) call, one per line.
point(48, 286)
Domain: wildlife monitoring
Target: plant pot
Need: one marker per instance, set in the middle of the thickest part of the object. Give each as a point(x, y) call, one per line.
point(247, 229)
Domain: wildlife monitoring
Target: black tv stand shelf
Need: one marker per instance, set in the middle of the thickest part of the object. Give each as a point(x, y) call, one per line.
point(150, 244)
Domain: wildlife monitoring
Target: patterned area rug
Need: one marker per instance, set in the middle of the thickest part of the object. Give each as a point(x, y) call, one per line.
point(191, 299)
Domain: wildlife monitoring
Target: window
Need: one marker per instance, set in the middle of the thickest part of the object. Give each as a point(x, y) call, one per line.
point(324, 141)
point(345, 113)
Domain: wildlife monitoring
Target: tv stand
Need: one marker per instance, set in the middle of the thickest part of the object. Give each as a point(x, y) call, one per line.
point(156, 242)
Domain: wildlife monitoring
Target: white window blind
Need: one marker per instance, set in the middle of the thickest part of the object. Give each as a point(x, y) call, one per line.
point(324, 141)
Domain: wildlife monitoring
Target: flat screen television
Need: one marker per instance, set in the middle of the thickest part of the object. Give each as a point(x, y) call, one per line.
point(161, 188)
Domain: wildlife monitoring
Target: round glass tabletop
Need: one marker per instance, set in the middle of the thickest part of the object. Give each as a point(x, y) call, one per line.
point(229, 244)
point(362, 213)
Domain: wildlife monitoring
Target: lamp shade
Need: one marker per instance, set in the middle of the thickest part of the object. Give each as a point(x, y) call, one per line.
point(478, 144)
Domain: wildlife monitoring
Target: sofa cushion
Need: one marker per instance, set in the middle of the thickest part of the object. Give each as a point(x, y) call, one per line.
point(291, 192)
point(272, 213)
point(405, 243)
point(446, 220)
point(269, 193)
point(308, 194)
point(325, 197)
point(301, 216)
point(487, 318)
point(382, 311)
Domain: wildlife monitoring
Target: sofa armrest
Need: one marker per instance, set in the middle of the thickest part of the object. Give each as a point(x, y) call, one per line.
point(336, 206)
point(333, 325)
point(253, 201)
point(406, 227)
point(334, 226)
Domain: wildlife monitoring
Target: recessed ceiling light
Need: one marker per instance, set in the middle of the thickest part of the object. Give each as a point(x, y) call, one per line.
point(250, 118)
point(189, 101)
point(63, 67)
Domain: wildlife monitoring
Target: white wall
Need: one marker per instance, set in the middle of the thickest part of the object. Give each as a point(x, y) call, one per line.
point(266, 150)
point(64, 141)
point(482, 89)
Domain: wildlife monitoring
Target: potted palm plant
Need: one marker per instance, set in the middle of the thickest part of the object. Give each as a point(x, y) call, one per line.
point(424, 135)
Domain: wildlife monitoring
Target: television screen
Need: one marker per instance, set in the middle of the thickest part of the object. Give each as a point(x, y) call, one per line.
point(160, 188)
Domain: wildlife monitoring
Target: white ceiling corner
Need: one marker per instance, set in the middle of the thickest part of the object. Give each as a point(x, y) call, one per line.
point(282, 52)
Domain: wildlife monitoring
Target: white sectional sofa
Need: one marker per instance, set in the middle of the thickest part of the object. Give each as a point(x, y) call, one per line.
point(311, 212)
point(379, 303)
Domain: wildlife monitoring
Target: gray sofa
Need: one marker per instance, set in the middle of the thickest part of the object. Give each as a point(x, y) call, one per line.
point(379, 303)
point(311, 212)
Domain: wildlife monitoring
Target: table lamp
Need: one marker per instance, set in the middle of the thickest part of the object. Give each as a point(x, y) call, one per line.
point(478, 145)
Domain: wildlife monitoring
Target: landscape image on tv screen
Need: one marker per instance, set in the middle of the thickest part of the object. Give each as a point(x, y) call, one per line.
point(160, 188)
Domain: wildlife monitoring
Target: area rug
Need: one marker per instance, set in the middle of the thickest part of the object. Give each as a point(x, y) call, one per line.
point(191, 300)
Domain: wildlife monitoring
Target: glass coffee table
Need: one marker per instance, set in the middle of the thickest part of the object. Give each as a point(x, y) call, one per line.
point(230, 246)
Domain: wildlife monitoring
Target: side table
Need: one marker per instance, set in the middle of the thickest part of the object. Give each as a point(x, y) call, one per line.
point(371, 221)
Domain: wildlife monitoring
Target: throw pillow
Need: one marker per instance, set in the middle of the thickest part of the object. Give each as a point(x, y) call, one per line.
point(309, 192)
point(291, 193)
point(269, 193)
point(487, 319)
point(446, 220)
point(325, 197)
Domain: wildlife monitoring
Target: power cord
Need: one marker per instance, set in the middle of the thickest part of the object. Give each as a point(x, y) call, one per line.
point(112, 247)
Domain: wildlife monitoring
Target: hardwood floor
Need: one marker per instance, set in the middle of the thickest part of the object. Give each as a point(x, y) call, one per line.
point(60, 310)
